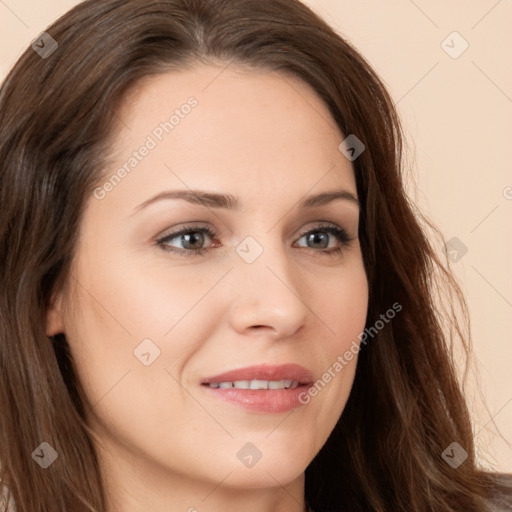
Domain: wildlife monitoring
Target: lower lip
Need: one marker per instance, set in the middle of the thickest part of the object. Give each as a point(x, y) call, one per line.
point(263, 400)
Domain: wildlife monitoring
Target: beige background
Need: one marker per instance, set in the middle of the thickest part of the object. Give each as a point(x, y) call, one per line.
point(457, 115)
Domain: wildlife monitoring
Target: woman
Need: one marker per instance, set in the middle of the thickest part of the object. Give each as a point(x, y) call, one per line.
point(172, 338)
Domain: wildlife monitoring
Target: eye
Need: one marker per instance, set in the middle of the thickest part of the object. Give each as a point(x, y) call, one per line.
point(320, 235)
point(193, 239)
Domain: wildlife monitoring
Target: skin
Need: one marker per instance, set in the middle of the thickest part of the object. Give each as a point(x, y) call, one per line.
point(164, 443)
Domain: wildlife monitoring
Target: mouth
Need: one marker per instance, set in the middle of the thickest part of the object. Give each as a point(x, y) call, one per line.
point(255, 384)
point(262, 388)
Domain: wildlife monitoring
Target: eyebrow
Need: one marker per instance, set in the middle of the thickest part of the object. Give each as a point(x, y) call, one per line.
point(230, 202)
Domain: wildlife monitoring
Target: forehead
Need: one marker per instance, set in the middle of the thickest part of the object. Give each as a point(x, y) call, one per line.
point(208, 126)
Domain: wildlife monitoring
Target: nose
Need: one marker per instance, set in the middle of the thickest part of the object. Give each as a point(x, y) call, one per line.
point(268, 296)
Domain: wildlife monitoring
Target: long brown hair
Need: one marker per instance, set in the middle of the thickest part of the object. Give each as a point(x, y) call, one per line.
point(58, 115)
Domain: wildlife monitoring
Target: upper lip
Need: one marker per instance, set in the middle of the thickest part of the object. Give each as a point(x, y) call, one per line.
point(264, 372)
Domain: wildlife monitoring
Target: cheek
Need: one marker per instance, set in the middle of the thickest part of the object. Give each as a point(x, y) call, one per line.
point(342, 309)
point(125, 315)
point(342, 306)
point(138, 299)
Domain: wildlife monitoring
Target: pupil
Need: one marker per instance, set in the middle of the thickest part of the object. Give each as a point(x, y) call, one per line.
point(317, 235)
point(197, 235)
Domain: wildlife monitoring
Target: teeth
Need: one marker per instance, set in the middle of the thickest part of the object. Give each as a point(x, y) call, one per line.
point(277, 384)
point(257, 384)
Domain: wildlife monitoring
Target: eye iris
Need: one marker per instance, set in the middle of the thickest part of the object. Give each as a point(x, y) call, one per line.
point(196, 235)
point(317, 235)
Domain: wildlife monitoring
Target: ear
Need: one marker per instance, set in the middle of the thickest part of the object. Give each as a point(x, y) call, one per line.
point(54, 316)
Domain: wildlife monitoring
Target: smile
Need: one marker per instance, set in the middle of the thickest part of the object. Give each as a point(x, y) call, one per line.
point(256, 384)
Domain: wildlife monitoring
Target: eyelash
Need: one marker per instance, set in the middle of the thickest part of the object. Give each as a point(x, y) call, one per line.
point(340, 234)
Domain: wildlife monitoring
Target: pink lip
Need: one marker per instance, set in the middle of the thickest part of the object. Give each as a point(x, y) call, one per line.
point(263, 400)
point(264, 372)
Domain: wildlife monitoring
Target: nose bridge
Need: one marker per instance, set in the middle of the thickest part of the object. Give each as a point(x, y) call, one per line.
point(267, 291)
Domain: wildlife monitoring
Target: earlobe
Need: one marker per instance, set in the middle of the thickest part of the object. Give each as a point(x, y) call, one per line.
point(54, 317)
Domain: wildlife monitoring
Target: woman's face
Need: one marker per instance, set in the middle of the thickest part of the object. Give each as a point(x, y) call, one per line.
point(151, 315)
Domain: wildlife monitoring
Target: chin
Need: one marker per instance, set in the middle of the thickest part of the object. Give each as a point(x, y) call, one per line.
point(264, 475)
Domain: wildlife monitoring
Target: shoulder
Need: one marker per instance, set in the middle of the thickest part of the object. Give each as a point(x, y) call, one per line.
point(500, 496)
